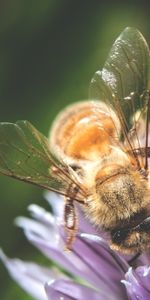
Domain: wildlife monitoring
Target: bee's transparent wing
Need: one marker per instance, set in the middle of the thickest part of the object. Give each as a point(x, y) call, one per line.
point(123, 80)
point(24, 154)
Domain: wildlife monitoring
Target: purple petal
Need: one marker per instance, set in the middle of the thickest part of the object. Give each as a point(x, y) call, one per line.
point(56, 202)
point(91, 261)
point(29, 276)
point(51, 244)
point(46, 238)
point(143, 259)
point(143, 273)
point(108, 265)
point(40, 214)
point(134, 286)
point(69, 290)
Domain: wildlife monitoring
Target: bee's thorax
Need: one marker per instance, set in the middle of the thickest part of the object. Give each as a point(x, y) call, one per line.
point(119, 193)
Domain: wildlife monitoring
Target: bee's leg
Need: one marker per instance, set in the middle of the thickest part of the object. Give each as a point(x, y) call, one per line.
point(70, 220)
point(132, 260)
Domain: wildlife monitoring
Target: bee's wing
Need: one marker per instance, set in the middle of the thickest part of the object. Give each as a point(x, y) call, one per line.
point(123, 80)
point(24, 154)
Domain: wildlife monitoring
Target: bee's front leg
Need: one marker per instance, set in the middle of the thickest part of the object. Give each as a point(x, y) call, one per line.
point(70, 220)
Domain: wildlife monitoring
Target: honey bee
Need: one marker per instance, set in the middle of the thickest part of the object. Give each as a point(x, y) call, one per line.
point(97, 153)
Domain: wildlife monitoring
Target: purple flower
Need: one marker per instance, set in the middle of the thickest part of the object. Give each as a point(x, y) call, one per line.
point(96, 272)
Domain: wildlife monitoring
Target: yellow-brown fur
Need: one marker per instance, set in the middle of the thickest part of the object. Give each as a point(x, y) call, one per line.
point(87, 135)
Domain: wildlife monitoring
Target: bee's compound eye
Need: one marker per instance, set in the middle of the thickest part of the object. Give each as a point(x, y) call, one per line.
point(119, 236)
point(116, 236)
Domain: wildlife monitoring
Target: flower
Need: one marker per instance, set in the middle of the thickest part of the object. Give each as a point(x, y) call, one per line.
point(96, 271)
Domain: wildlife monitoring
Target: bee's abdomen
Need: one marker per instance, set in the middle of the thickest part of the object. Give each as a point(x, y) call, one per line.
point(84, 131)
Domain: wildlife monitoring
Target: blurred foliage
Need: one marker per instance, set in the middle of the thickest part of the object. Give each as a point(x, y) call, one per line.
point(49, 50)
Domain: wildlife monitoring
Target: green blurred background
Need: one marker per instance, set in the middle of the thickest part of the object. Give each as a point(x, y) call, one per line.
point(49, 51)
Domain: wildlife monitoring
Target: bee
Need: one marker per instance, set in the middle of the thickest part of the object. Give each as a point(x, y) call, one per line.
point(98, 151)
